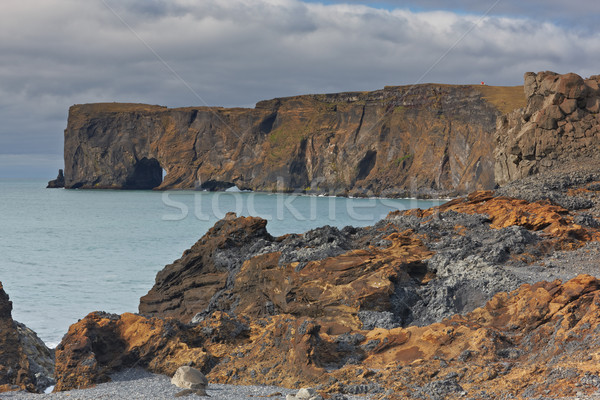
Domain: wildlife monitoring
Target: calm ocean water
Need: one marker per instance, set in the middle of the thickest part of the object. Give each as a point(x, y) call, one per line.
point(65, 253)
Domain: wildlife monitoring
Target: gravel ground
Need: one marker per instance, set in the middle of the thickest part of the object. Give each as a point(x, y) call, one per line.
point(563, 265)
point(140, 384)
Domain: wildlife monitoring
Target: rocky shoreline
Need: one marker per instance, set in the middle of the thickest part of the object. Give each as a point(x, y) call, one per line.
point(494, 295)
point(412, 306)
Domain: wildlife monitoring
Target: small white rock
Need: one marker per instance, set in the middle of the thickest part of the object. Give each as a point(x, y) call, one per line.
point(290, 397)
point(306, 394)
point(189, 378)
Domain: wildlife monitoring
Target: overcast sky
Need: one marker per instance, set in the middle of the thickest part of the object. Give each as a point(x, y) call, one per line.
point(55, 53)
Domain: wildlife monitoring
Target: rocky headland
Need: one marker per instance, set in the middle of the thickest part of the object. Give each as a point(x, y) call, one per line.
point(426, 140)
point(493, 295)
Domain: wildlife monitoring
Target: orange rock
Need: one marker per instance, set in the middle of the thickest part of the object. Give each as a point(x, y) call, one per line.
point(104, 343)
point(552, 220)
point(518, 341)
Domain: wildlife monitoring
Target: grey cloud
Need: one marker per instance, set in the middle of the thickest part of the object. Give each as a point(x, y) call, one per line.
point(237, 52)
point(580, 12)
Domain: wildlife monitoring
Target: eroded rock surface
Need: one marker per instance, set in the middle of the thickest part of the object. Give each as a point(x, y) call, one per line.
point(560, 123)
point(424, 140)
point(102, 343)
point(536, 340)
point(413, 267)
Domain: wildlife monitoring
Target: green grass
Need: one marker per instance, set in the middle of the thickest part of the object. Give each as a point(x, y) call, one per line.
point(400, 160)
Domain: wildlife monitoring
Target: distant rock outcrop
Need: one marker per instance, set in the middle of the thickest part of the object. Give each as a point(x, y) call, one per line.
point(25, 362)
point(425, 139)
point(59, 182)
point(560, 124)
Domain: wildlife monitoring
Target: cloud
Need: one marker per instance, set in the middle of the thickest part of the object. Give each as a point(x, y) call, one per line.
point(56, 53)
point(580, 13)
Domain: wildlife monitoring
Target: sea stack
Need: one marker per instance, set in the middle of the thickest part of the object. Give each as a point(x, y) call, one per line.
point(57, 183)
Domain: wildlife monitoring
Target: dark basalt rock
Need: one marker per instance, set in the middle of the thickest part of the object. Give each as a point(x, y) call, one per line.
point(59, 182)
point(215, 186)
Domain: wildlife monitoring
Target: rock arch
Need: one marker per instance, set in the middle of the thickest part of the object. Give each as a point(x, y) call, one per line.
point(147, 173)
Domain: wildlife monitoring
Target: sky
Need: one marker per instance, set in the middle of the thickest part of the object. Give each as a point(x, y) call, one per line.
point(56, 53)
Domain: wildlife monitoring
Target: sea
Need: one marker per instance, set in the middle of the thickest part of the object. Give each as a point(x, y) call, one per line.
point(66, 253)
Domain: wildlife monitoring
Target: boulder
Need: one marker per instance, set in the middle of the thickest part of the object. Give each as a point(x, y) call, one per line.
point(189, 378)
point(530, 85)
point(570, 85)
point(305, 394)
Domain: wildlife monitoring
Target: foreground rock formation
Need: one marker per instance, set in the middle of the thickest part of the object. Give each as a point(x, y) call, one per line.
point(537, 340)
point(25, 362)
point(390, 310)
point(424, 139)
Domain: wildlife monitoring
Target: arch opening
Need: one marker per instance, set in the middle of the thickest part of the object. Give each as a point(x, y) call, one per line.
point(147, 174)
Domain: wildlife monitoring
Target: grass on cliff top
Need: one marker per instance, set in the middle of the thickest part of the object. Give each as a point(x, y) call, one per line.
point(505, 98)
point(116, 107)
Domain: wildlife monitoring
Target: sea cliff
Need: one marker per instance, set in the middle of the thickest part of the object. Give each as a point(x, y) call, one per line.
point(427, 140)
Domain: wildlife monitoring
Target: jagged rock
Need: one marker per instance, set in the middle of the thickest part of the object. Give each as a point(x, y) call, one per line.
point(507, 341)
point(41, 358)
point(25, 362)
point(59, 182)
point(427, 265)
point(207, 268)
point(254, 283)
point(424, 139)
point(560, 124)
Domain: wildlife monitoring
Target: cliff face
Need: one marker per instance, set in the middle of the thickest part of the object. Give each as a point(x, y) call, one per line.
point(423, 139)
point(560, 125)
